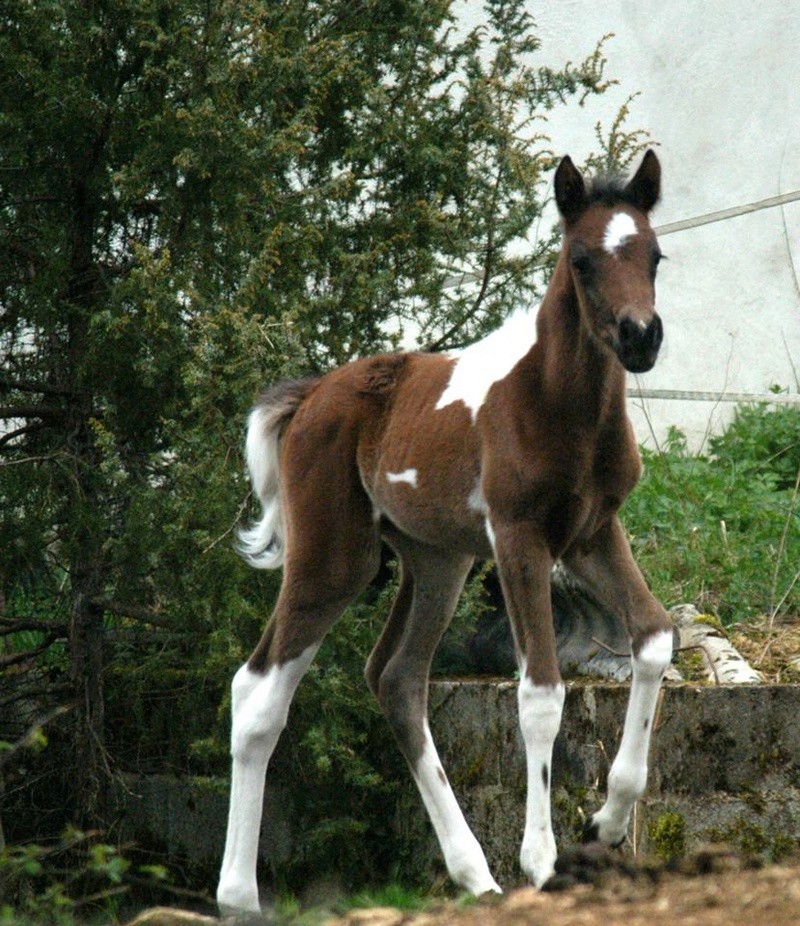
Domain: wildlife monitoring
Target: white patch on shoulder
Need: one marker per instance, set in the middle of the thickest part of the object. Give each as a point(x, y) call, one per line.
point(478, 367)
point(408, 476)
point(620, 227)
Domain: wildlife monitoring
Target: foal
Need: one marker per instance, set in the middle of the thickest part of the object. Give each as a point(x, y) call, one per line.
point(518, 449)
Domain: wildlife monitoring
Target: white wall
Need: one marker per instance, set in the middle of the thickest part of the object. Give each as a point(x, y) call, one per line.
point(719, 85)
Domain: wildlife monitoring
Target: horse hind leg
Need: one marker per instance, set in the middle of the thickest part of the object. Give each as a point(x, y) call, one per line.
point(397, 672)
point(312, 598)
point(260, 707)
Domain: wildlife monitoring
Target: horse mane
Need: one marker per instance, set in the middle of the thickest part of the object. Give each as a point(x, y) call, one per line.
point(609, 190)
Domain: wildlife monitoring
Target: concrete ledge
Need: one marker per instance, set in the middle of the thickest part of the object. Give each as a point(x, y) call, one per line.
point(725, 764)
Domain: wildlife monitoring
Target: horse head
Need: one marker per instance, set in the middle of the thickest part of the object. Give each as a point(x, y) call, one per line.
point(612, 255)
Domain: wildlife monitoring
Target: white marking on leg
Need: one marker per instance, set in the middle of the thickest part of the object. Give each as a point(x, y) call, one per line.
point(620, 228)
point(260, 708)
point(408, 476)
point(477, 502)
point(478, 367)
point(540, 709)
point(462, 852)
point(628, 776)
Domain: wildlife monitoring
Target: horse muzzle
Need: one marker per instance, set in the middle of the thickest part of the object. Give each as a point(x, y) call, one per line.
point(638, 342)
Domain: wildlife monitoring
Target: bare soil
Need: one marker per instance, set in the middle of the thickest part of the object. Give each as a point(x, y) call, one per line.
point(716, 887)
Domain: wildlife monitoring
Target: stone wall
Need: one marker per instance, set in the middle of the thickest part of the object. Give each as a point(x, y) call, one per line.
point(725, 765)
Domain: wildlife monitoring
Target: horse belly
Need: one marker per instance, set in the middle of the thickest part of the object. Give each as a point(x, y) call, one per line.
point(426, 481)
point(435, 515)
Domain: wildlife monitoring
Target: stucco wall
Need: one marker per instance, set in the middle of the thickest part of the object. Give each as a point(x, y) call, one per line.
point(719, 91)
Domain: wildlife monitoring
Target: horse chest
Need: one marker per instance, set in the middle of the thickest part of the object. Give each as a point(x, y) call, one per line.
point(570, 491)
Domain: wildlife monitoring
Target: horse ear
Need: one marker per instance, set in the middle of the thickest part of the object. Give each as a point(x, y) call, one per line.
point(644, 188)
point(571, 197)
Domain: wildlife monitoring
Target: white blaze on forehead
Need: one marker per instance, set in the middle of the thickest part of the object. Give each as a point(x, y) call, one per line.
point(620, 227)
point(478, 367)
point(408, 475)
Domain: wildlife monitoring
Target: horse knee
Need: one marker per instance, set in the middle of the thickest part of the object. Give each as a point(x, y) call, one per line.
point(540, 709)
point(402, 701)
point(653, 654)
point(257, 721)
point(261, 703)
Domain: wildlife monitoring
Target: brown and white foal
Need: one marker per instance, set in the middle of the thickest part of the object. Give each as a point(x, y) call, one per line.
point(520, 449)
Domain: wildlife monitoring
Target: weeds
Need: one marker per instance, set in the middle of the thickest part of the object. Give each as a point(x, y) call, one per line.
point(73, 879)
point(723, 530)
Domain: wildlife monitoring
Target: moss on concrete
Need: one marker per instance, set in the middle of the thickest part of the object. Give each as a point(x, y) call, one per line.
point(668, 835)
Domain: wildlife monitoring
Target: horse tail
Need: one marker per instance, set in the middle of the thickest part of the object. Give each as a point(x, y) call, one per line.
point(262, 545)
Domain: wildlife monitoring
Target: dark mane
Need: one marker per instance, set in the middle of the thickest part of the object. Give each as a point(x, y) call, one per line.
point(609, 190)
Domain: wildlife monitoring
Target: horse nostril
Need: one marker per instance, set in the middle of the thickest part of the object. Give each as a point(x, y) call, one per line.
point(641, 335)
point(629, 332)
point(655, 333)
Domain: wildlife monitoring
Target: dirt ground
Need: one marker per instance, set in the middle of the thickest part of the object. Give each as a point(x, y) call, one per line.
point(723, 890)
point(714, 887)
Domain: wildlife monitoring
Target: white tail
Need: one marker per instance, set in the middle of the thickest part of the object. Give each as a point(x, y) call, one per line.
point(262, 545)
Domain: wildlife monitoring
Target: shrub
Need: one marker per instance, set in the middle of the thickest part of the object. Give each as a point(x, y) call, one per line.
point(723, 530)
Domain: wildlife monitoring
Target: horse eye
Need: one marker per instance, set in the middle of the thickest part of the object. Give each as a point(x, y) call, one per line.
point(655, 259)
point(582, 263)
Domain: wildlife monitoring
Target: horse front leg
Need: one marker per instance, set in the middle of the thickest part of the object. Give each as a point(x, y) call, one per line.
point(398, 676)
point(610, 573)
point(524, 564)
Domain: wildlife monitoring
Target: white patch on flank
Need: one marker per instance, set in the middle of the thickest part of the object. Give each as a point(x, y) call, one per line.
point(620, 227)
point(628, 776)
point(408, 475)
point(260, 708)
point(478, 367)
point(463, 855)
point(540, 709)
point(490, 532)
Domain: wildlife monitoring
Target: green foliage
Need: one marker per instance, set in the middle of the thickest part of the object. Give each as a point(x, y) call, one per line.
point(66, 881)
point(723, 530)
point(398, 896)
point(766, 441)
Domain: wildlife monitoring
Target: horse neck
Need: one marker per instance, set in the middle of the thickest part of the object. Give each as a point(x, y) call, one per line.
point(576, 372)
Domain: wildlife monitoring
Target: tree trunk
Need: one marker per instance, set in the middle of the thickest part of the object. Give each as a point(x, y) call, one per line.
point(85, 289)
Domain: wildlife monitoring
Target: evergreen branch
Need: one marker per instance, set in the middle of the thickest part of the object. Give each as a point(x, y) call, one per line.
point(30, 735)
point(132, 612)
point(14, 659)
point(9, 626)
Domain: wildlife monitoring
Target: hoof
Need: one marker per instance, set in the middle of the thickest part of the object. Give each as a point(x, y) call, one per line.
point(591, 833)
